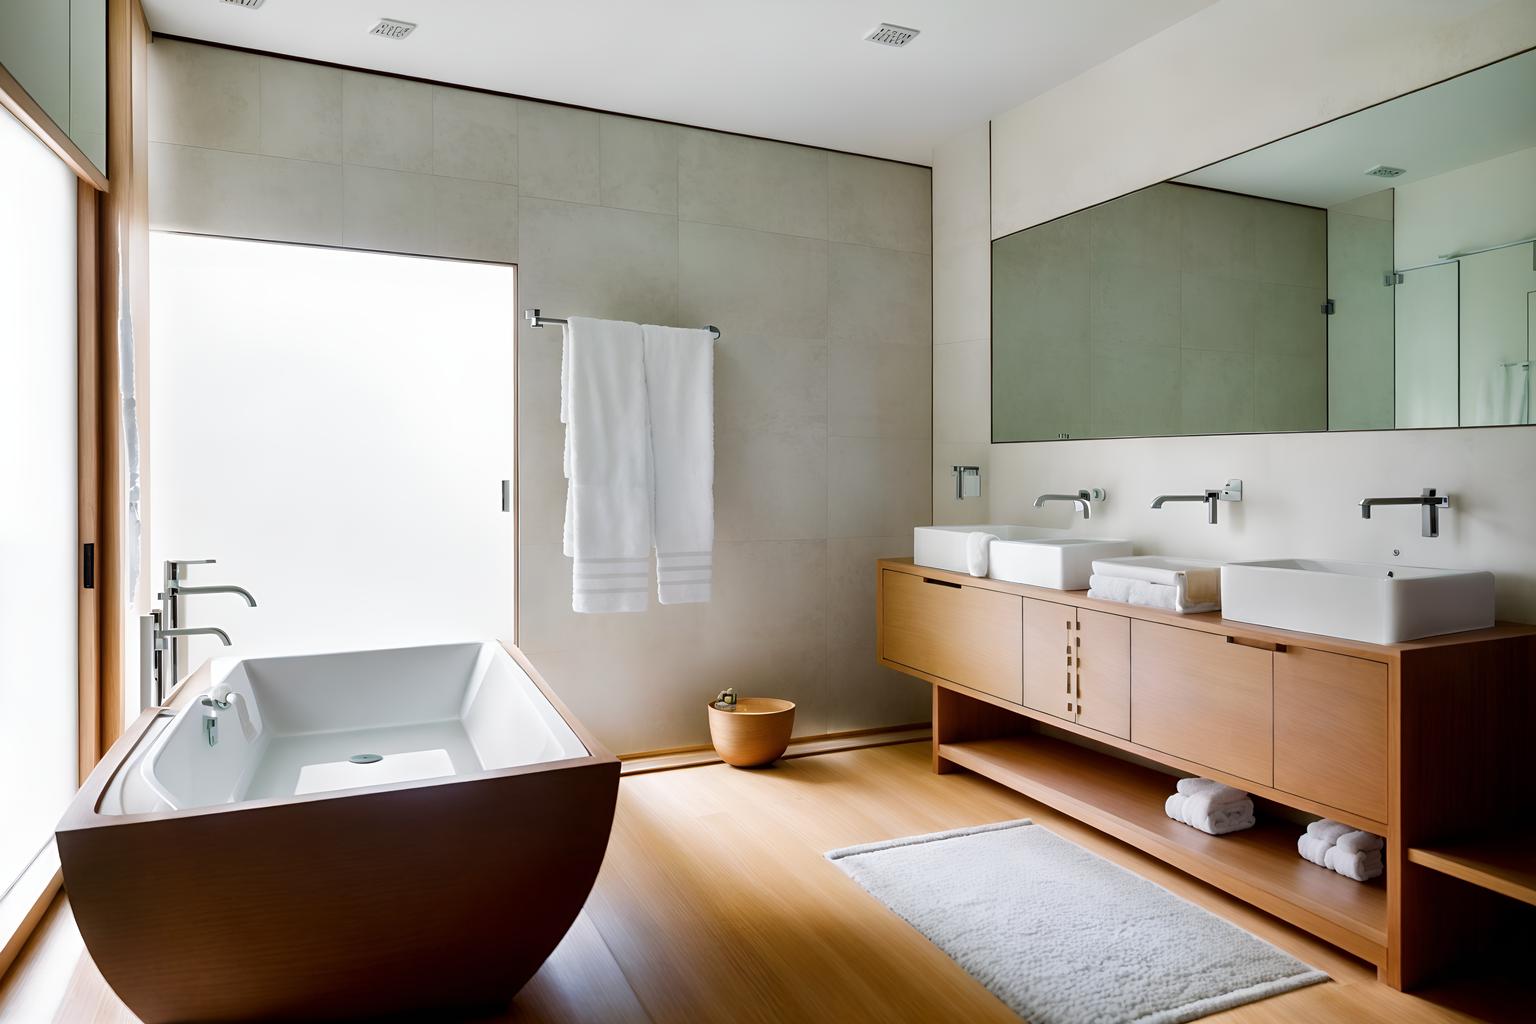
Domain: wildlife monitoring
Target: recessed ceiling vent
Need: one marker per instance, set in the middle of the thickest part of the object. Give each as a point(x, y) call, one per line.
point(248, 4)
point(389, 28)
point(892, 35)
point(1383, 171)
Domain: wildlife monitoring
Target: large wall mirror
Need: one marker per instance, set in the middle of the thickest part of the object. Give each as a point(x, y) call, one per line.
point(1378, 271)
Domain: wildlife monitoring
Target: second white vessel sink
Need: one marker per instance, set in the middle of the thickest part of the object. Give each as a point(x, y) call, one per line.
point(1381, 604)
point(1061, 563)
point(943, 547)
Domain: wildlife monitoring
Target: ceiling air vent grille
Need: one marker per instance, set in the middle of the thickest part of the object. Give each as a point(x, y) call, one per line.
point(389, 28)
point(892, 35)
point(1383, 171)
point(248, 4)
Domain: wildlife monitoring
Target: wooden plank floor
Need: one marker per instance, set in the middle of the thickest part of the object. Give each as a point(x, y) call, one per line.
point(715, 904)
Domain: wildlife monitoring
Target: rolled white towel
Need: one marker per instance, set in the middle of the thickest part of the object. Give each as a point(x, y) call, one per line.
point(1362, 866)
point(978, 552)
point(1217, 793)
point(1328, 831)
point(1313, 849)
point(1217, 822)
point(1359, 842)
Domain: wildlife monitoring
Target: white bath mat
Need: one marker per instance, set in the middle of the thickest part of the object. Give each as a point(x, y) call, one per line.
point(1063, 936)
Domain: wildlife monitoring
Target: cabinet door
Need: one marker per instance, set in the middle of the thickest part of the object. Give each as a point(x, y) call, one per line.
point(1103, 653)
point(1201, 697)
point(1331, 730)
point(964, 634)
point(1049, 685)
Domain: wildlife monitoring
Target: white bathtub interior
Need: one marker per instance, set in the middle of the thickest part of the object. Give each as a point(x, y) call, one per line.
point(329, 722)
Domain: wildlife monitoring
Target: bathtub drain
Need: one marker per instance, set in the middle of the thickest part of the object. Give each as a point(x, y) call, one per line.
point(365, 758)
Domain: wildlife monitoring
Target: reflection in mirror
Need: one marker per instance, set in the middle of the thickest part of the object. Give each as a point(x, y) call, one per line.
point(1375, 272)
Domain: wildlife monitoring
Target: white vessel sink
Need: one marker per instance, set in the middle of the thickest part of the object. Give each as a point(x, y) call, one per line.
point(1031, 555)
point(1382, 604)
point(1061, 563)
point(943, 547)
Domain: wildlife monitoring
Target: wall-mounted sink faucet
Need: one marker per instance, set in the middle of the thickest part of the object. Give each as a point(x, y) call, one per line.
point(1430, 503)
point(1081, 499)
point(1232, 492)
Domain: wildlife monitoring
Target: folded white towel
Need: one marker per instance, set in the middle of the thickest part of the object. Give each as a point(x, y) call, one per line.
point(1216, 821)
point(1362, 866)
point(1139, 592)
point(608, 512)
point(1359, 842)
point(1328, 831)
point(978, 552)
point(680, 391)
point(1313, 849)
point(1218, 793)
point(1196, 581)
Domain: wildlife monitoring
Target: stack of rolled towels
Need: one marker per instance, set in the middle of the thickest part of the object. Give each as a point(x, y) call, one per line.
point(1209, 806)
point(1338, 847)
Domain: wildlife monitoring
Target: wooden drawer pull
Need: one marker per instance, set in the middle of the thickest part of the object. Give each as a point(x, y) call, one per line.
point(941, 583)
point(1261, 645)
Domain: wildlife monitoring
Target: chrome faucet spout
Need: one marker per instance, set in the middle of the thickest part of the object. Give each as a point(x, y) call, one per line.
point(197, 631)
point(1082, 500)
point(183, 589)
point(1213, 495)
point(1429, 500)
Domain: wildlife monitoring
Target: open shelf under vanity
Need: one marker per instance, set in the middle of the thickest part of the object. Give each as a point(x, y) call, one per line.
point(1125, 800)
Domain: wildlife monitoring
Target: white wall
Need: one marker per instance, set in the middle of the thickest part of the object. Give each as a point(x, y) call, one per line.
point(1433, 216)
point(815, 265)
point(1236, 75)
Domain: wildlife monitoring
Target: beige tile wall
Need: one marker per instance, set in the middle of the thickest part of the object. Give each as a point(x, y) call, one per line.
point(815, 265)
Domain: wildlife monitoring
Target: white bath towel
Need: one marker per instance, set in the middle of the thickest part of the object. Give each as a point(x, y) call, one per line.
point(1232, 817)
point(1313, 849)
point(1139, 592)
point(978, 552)
point(1327, 830)
point(1362, 866)
point(608, 528)
point(1359, 842)
point(680, 384)
point(1196, 581)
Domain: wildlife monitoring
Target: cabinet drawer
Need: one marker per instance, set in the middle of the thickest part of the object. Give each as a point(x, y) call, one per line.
point(1331, 730)
point(964, 634)
point(1199, 697)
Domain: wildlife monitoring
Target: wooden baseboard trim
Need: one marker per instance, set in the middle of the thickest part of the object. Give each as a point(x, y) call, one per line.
point(24, 905)
point(691, 757)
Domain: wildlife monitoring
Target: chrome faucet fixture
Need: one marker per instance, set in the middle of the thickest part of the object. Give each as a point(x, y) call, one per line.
point(161, 631)
point(1429, 501)
point(1232, 492)
point(1082, 499)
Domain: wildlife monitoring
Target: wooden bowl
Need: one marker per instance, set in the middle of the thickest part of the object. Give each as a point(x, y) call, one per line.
point(755, 734)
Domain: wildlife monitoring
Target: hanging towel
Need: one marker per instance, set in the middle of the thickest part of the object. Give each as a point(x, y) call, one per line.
point(608, 527)
point(680, 383)
point(978, 552)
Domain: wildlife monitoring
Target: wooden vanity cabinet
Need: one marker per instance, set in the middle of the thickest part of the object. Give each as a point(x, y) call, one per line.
point(967, 635)
point(1331, 730)
point(1423, 742)
point(1205, 698)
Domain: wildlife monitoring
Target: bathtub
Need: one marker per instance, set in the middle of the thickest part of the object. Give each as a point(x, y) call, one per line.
point(361, 834)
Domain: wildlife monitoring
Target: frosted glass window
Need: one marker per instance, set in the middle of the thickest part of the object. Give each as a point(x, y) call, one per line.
point(38, 498)
point(333, 426)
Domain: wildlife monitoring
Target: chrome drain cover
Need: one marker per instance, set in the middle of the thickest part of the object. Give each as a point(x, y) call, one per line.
point(365, 758)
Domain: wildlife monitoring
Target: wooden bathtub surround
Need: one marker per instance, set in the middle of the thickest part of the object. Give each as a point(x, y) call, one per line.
point(415, 896)
point(1086, 705)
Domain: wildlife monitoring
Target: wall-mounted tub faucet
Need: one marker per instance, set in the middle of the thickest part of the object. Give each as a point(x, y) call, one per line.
point(1232, 492)
point(1081, 499)
point(1430, 502)
point(160, 631)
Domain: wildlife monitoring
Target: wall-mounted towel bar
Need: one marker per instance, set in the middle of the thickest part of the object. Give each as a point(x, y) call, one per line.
point(534, 317)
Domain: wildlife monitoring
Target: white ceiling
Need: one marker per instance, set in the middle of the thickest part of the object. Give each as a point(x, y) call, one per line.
point(1466, 120)
point(796, 70)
